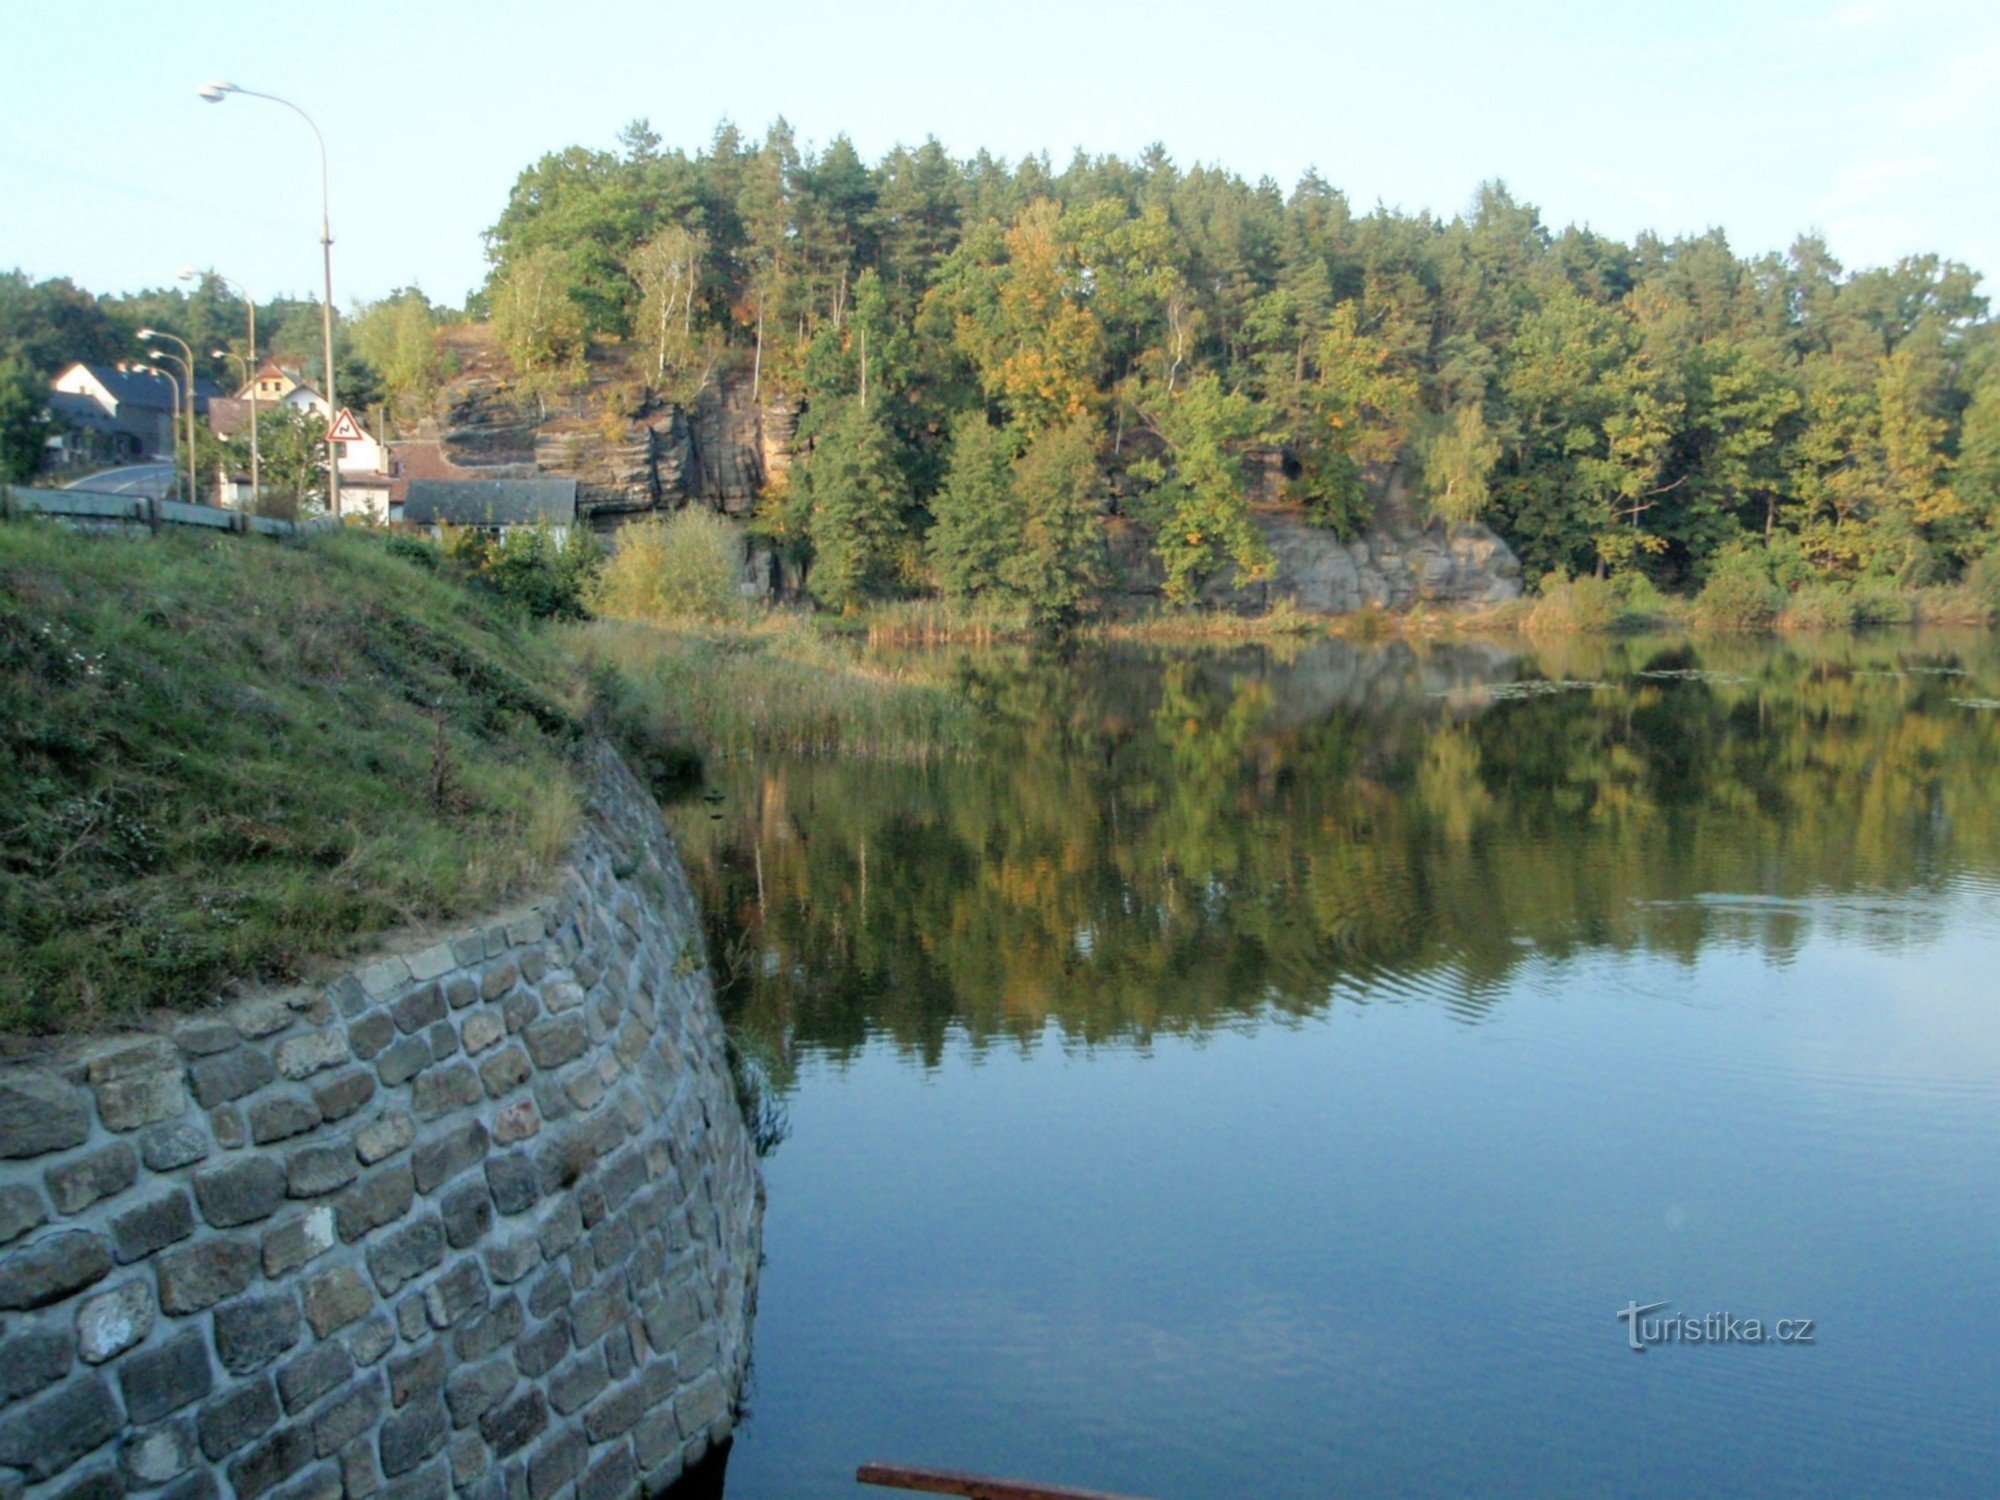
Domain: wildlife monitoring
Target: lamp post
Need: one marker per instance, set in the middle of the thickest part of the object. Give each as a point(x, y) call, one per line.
point(188, 273)
point(215, 93)
point(187, 370)
point(187, 361)
point(168, 376)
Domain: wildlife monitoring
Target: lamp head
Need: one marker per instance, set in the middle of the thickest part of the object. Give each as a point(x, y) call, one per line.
point(215, 90)
point(149, 333)
point(188, 273)
point(220, 354)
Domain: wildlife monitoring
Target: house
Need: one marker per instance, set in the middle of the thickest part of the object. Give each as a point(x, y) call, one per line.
point(365, 475)
point(109, 414)
point(425, 457)
point(272, 383)
point(497, 506)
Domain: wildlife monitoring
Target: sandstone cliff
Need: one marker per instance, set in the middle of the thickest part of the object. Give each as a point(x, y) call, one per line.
point(635, 455)
point(1395, 564)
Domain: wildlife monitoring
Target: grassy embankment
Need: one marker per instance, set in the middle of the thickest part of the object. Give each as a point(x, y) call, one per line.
point(223, 758)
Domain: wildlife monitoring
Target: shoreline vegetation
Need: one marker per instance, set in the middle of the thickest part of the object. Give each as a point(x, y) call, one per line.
point(1623, 604)
point(225, 760)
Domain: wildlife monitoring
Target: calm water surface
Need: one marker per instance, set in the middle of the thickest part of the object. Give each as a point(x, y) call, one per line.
point(1269, 1072)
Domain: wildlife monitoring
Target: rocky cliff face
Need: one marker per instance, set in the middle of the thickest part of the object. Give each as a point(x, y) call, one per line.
point(1395, 564)
point(631, 455)
point(635, 456)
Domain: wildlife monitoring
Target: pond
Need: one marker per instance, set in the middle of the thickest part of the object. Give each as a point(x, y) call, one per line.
point(1273, 1070)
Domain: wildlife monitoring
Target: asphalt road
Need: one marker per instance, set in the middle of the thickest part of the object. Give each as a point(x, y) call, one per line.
point(154, 481)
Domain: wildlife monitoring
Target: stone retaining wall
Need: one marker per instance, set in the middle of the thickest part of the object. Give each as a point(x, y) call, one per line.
point(481, 1218)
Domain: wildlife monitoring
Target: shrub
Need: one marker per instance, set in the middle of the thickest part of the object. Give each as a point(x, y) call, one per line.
point(414, 549)
point(1819, 606)
point(1881, 603)
point(529, 568)
point(1584, 605)
point(1982, 581)
point(1739, 594)
point(688, 567)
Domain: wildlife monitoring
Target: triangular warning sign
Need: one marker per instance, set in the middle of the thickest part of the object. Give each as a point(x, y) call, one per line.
point(345, 429)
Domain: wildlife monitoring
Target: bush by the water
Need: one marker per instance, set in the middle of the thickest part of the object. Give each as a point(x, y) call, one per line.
point(688, 567)
point(1982, 582)
point(1583, 605)
point(1739, 593)
point(1820, 606)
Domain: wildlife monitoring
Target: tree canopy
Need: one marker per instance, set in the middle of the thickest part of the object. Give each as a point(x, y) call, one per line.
point(1605, 405)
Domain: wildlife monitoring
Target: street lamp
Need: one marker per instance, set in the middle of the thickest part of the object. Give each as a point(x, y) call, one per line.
point(168, 376)
point(187, 368)
point(215, 92)
point(188, 273)
point(194, 495)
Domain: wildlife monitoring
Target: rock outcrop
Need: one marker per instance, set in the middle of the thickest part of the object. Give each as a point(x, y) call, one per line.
point(634, 455)
point(740, 444)
point(1395, 564)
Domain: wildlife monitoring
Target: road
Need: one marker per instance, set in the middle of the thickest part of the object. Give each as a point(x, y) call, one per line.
point(154, 481)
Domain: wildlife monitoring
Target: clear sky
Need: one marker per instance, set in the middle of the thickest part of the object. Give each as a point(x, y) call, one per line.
point(1875, 121)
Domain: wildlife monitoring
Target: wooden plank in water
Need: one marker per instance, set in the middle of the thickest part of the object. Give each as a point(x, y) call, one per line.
point(971, 1486)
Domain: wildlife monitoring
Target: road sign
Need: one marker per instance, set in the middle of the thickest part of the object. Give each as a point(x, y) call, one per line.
point(345, 429)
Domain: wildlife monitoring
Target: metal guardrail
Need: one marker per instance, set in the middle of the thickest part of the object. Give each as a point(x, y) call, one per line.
point(96, 509)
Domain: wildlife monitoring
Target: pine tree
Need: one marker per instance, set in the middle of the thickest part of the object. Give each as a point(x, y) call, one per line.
point(1055, 566)
point(975, 516)
point(853, 496)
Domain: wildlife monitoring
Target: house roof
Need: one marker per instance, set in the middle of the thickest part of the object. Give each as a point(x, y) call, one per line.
point(134, 387)
point(490, 502)
point(73, 410)
point(129, 387)
point(271, 369)
point(425, 458)
point(229, 415)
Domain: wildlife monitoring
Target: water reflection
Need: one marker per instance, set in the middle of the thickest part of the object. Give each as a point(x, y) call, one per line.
point(1153, 842)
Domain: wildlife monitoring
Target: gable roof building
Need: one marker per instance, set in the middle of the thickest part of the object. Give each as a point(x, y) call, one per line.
point(272, 383)
point(492, 504)
point(110, 413)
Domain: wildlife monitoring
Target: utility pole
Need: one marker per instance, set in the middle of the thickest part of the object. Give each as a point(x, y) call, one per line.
point(215, 93)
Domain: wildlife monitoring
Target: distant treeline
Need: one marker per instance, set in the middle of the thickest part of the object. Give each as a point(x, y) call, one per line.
point(963, 330)
point(386, 353)
point(992, 354)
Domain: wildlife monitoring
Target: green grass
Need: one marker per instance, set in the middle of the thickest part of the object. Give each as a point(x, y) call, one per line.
point(225, 758)
point(776, 686)
point(941, 622)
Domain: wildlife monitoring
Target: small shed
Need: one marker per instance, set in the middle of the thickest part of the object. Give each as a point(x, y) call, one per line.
point(495, 505)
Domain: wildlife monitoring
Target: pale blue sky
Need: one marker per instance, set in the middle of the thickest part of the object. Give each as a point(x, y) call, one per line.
point(1877, 121)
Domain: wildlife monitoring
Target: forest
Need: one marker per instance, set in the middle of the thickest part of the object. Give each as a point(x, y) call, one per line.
point(990, 356)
